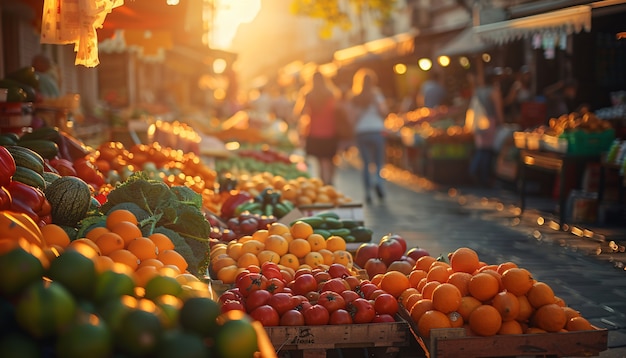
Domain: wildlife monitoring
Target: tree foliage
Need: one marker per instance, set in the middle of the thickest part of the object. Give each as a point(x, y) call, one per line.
point(340, 13)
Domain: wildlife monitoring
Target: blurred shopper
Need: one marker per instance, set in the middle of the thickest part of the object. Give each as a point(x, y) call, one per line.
point(316, 108)
point(519, 93)
point(432, 93)
point(561, 98)
point(488, 97)
point(48, 76)
point(370, 111)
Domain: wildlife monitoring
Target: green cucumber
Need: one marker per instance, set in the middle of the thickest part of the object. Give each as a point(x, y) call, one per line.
point(325, 233)
point(361, 233)
point(46, 148)
point(328, 214)
point(316, 222)
point(42, 133)
point(29, 177)
point(349, 224)
point(332, 223)
point(340, 232)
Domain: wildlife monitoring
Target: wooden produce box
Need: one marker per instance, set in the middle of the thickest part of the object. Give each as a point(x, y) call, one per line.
point(314, 340)
point(452, 343)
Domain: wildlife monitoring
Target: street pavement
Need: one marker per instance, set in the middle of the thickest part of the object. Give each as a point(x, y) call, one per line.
point(583, 265)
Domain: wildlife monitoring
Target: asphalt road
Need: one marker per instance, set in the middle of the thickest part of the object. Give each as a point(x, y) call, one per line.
point(582, 264)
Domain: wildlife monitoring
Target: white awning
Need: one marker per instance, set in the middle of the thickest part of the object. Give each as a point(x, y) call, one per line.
point(566, 21)
point(465, 43)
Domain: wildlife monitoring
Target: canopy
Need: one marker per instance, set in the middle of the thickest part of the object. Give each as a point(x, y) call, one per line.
point(566, 21)
point(465, 43)
point(398, 45)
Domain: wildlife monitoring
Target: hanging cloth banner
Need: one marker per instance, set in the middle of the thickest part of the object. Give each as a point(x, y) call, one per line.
point(75, 21)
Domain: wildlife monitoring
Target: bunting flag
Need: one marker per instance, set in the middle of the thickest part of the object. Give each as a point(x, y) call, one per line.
point(75, 21)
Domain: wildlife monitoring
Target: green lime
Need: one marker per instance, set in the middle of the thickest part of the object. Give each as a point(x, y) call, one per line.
point(235, 336)
point(18, 269)
point(111, 284)
point(89, 339)
point(162, 285)
point(112, 312)
point(199, 315)
point(45, 308)
point(17, 345)
point(75, 271)
point(175, 343)
point(140, 333)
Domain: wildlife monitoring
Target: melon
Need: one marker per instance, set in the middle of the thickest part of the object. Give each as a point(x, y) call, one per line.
point(69, 199)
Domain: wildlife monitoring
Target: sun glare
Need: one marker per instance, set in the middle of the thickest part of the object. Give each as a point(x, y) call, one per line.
point(229, 15)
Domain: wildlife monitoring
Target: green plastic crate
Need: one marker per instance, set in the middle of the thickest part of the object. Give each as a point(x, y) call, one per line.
point(586, 143)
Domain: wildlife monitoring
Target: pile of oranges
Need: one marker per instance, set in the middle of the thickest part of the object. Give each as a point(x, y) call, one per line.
point(121, 242)
point(291, 247)
point(484, 299)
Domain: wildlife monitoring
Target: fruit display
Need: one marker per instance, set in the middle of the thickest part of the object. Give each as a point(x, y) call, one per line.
point(460, 291)
point(290, 247)
point(251, 161)
point(390, 253)
point(331, 295)
point(67, 305)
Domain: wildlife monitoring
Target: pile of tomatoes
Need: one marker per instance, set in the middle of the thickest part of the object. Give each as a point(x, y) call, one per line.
point(313, 297)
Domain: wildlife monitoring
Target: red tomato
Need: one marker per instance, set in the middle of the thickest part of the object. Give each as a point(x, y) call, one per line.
point(366, 289)
point(332, 301)
point(386, 304)
point(271, 272)
point(349, 296)
point(352, 281)
point(275, 285)
point(376, 293)
point(322, 276)
point(242, 273)
point(292, 318)
point(232, 294)
point(232, 305)
point(251, 282)
point(316, 315)
point(304, 283)
point(267, 315)
point(282, 302)
point(335, 284)
point(340, 316)
point(380, 318)
point(313, 296)
point(361, 310)
point(338, 270)
point(257, 298)
point(269, 265)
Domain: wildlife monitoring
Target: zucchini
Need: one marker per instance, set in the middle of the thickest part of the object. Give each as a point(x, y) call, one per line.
point(332, 223)
point(361, 233)
point(42, 133)
point(46, 148)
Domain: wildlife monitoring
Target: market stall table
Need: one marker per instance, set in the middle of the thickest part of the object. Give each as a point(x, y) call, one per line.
point(558, 163)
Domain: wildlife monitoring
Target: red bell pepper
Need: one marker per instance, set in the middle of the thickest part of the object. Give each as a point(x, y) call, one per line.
point(63, 166)
point(5, 199)
point(232, 202)
point(28, 199)
point(7, 166)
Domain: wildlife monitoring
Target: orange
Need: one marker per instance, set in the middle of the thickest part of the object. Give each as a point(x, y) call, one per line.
point(161, 241)
point(317, 242)
point(411, 300)
point(290, 260)
point(95, 232)
point(456, 320)
point(406, 293)
point(578, 324)
point(483, 286)
point(570, 313)
point(277, 243)
point(464, 259)
point(143, 248)
point(172, 257)
point(109, 242)
point(151, 262)
point(336, 243)
point(117, 216)
point(419, 308)
point(468, 304)
point(461, 281)
point(446, 298)
point(227, 274)
point(438, 273)
point(127, 230)
point(260, 235)
point(343, 257)
point(501, 269)
point(55, 235)
point(299, 247)
point(247, 259)
point(125, 257)
point(301, 230)
point(267, 255)
point(550, 317)
point(85, 247)
point(511, 327)
point(422, 283)
point(559, 301)
point(415, 276)
point(143, 274)
point(277, 228)
point(517, 280)
point(394, 282)
point(329, 256)
point(507, 305)
point(314, 259)
point(485, 320)
point(540, 294)
point(424, 263)
point(430, 320)
point(429, 287)
point(103, 263)
point(234, 249)
point(525, 309)
point(252, 246)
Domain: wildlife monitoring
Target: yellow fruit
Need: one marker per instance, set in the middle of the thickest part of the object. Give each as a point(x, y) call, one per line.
point(299, 247)
point(335, 243)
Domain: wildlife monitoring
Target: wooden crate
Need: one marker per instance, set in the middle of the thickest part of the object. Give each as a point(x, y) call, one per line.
point(315, 340)
point(452, 343)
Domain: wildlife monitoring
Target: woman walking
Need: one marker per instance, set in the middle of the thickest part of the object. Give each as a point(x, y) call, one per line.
point(370, 112)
